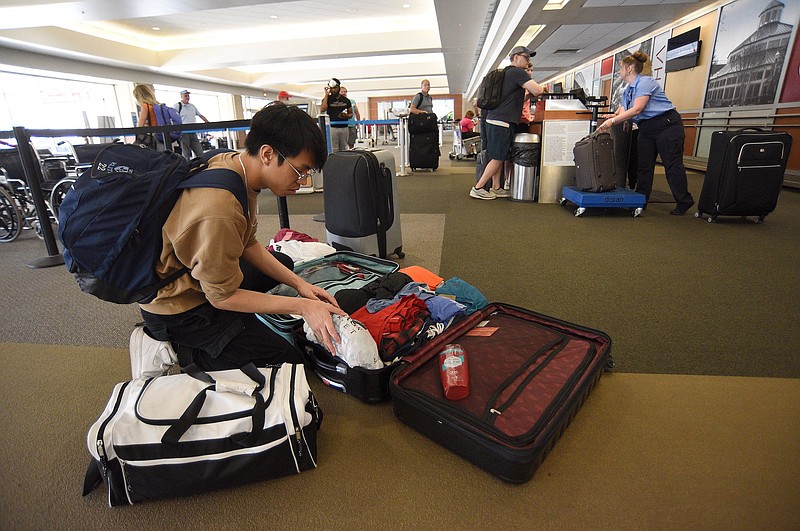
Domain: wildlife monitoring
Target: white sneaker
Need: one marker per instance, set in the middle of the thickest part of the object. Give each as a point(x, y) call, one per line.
point(501, 192)
point(480, 193)
point(150, 357)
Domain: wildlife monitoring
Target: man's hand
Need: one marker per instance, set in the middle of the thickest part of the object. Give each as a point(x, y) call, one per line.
point(317, 313)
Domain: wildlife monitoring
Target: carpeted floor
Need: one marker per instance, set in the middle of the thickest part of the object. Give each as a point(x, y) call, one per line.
point(696, 427)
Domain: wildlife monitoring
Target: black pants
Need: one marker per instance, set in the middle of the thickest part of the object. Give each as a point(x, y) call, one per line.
point(218, 339)
point(664, 136)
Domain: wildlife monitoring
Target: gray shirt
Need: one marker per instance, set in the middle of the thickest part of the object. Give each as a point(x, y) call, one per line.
point(423, 102)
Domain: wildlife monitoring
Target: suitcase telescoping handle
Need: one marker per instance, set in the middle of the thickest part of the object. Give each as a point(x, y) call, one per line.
point(189, 417)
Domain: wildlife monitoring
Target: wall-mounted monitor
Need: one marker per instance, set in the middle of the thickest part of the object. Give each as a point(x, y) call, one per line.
point(683, 51)
point(558, 88)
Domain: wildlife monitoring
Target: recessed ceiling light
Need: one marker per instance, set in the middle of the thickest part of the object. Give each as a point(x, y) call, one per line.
point(273, 16)
point(155, 28)
point(406, 6)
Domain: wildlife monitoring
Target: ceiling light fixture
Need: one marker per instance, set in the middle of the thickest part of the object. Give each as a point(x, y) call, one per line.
point(554, 4)
point(273, 16)
point(530, 34)
point(155, 28)
point(406, 6)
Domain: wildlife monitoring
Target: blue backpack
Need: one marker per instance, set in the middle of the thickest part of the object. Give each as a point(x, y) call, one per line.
point(166, 115)
point(110, 220)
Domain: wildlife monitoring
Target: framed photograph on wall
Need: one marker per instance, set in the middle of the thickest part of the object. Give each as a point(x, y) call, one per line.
point(749, 52)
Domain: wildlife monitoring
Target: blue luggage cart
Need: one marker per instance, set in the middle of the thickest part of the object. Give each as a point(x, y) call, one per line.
point(619, 198)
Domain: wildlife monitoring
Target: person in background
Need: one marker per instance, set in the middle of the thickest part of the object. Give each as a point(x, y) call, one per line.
point(467, 124)
point(351, 123)
point(284, 96)
point(209, 315)
point(526, 118)
point(660, 131)
point(422, 101)
point(146, 98)
point(339, 109)
point(499, 123)
point(189, 113)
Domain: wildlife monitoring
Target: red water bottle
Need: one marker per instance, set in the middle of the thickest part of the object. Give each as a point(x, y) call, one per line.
point(454, 371)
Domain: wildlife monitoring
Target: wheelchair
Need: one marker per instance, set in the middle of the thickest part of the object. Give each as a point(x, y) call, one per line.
point(17, 208)
point(465, 147)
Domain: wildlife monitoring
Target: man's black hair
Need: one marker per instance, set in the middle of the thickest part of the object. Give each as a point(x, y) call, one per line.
point(289, 130)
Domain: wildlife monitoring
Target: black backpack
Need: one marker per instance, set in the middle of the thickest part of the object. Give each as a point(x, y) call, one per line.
point(110, 220)
point(490, 93)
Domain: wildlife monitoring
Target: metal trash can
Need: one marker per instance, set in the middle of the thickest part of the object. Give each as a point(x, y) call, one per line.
point(525, 177)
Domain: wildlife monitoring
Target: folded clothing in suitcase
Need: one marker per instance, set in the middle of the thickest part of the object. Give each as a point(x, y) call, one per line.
point(337, 271)
point(528, 375)
point(745, 173)
point(362, 213)
point(188, 433)
point(423, 123)
point(594, 163)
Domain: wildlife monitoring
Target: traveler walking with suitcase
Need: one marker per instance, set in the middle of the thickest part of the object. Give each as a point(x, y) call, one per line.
point(660, 131)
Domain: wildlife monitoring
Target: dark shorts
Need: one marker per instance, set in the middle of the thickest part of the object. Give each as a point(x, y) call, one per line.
point(217, 339)
point(498, 141)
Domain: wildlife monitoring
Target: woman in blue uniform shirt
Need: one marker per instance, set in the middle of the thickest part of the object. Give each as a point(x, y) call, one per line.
point(660, 130)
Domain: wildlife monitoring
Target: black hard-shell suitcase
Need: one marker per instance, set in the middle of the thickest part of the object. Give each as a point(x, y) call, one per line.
point(423, 151)
point(528, 377)
point(594, 163)
point(422, 123)
point(337, 271)
point(744, 173)
point(362, 213)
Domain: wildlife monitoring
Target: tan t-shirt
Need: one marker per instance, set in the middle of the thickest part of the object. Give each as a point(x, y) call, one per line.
point(207, 232)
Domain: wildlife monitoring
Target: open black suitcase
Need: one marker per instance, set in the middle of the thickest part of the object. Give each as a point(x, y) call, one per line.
point(527, 380)
point(341, 270)
point(594, 163)
point(744, 174)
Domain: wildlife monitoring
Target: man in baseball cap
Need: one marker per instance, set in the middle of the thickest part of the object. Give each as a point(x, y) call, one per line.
point(520, 50)
point(502, 121)
point(340, 110)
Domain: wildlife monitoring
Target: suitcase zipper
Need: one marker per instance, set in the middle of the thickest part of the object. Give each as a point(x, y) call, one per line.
point(295, 421)
point(100, 444)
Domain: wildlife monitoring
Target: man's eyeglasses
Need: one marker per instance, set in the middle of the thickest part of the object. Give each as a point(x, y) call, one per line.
point(300, 176)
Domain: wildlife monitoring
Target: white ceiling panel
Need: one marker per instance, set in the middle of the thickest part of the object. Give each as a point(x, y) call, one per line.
point(376, 47)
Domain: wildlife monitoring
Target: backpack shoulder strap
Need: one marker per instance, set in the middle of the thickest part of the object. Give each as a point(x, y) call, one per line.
point(220, 178)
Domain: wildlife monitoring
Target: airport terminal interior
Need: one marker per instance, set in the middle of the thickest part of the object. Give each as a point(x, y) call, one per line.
point(696, 424)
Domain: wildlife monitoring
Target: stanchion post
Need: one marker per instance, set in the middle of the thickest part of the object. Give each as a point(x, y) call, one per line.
point(33, 176)
point(402, 138)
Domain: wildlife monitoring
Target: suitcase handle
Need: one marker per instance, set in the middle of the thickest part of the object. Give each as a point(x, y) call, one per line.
point(189, 417)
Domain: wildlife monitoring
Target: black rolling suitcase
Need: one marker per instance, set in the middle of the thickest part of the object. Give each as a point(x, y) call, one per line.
point(744, 173)
point(337, 271)
point(423, 151)
point(594, 163)
point(361, 208)
point(528, 375)
point(423, 123)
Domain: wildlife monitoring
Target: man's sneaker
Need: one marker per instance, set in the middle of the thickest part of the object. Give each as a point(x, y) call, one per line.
point(501, 192)
point(150, 357)
point(480, 193)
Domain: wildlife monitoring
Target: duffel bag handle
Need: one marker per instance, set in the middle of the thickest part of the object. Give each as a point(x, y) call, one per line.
point(189, 417)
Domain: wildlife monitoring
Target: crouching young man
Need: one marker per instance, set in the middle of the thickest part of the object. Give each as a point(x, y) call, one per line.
point(209, 313)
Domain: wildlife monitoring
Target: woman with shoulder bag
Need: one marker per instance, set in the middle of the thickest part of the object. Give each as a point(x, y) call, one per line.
point(146, 99)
